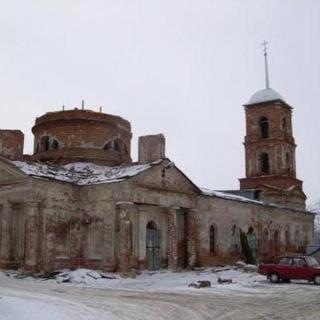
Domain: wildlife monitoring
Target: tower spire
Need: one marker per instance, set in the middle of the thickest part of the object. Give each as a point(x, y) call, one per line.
point(265, 43)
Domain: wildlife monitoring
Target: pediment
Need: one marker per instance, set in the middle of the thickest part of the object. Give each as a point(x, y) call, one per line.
point(166, 176)
point(9, 173)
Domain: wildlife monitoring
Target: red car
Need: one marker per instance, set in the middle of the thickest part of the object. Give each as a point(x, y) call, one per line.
point(292, 267)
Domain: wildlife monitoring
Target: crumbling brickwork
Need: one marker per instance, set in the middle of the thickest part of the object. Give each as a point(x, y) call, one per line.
point(82, 135)
point(147, 215)
point(270, 154)
point(11, 144)
point(63, 223)
point(151, 148)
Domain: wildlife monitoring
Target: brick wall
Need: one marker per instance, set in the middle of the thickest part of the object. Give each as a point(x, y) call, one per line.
point(11, 144)
point(82, 135)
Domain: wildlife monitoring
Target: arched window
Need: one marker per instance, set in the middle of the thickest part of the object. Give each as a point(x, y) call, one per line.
point(117, 145)
point(297, 238)
point(235, 237)
point(264, 127)
point(264, 163)
point(55, 144)
point(130, 245)
point(45, 143)
point(287, 240)
point(108, 146)
point(276, 240)
point(265, 241)
point(287, 160)
point(212, 240)
point(284, 125)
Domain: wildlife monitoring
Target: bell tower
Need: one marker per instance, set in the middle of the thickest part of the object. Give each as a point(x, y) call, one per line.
point(270, 148)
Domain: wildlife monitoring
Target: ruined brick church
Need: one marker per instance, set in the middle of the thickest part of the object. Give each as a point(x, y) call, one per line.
point(80, 201)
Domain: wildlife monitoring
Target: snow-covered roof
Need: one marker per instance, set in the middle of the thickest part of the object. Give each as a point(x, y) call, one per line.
point(265, 95)
point(228, 196)
point(224, 195)
point(81, 173)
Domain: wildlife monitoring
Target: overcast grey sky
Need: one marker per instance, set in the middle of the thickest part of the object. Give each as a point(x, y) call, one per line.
point(183, 68)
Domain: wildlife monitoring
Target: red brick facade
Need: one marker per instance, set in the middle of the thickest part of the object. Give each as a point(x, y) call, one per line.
point(82, 135)
point(270, 154)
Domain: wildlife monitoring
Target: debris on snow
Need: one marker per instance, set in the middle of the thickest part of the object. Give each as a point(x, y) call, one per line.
point(224, 281)
point(161, 280)
point(200, 284)
point(82, 276)
point(246, 267)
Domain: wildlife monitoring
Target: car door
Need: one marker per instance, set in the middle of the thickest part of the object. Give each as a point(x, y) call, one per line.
point(299, 269)
point(284, 267)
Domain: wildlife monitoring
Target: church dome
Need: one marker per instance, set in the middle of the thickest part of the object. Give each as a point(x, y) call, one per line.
point(265, 95)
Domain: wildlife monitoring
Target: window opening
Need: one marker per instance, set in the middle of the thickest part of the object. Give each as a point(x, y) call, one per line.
point(265, 241)
point(212, 240)
point(264, 127)
point(108, 146)
point(264, 159)
point(55, 144)
point(45, 143)
point(117, 145)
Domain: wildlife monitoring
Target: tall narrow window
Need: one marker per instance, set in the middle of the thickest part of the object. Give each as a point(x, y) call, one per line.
point(264, 163)
point(276, 239)
point(55, 144)
point(117, 145)
point(287, 160)
point(284, 125)
point(45, 143)
point(264, 127)
point(212, 240)
point(265, 241)
point(297, 238)
point(287, 239)
point(37, 147)
point(108, 146)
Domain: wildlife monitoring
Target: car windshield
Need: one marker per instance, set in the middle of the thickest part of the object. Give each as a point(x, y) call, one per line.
point(312, 262)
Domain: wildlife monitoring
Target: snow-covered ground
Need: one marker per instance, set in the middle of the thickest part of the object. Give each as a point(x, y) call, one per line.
point(91, 295)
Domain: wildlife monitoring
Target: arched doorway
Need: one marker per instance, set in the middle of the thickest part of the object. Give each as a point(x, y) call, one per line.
point(153, 246)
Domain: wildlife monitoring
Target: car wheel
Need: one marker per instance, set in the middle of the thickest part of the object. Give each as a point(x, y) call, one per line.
point(274, 278)
point(316, 279)
point(286, 280)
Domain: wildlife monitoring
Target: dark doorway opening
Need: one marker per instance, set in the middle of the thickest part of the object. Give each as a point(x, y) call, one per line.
point(153, 246)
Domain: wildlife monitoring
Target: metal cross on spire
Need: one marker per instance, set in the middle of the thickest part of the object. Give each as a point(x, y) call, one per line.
point(264, 44)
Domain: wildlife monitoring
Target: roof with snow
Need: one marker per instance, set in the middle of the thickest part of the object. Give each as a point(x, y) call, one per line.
point(81, 173)
point(265, 95)
point(229, 196)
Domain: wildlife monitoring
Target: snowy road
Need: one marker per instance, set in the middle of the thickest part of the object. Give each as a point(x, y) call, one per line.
point(47, 300)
